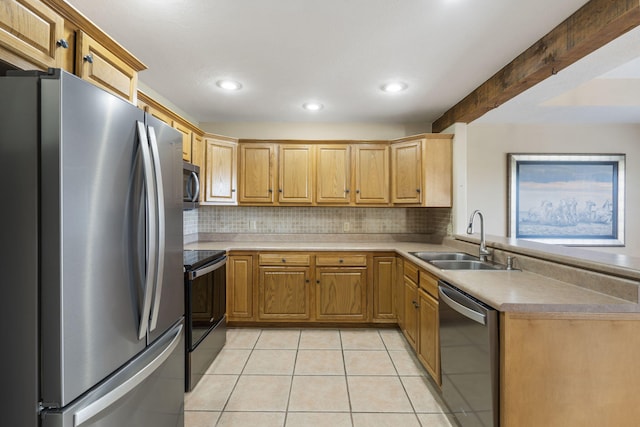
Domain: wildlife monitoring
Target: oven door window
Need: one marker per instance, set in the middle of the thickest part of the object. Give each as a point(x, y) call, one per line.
point(207, 303)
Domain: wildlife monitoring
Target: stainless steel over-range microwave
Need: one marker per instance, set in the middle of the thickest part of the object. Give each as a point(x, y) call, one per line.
point(190, 186)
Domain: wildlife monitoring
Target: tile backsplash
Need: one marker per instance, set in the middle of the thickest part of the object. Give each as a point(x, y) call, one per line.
point(316, 220)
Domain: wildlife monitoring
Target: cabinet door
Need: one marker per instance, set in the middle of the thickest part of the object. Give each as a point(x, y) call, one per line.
point(256, 173)
point(220, 172)
point(428, 343)
point(384, 274)
point(240, 288)
point(341, 293)
point(186, 139)
point(411, 313)
point(406, 172)
point(438, 170)
point(284, 293)
point(296, 180)
point(29, 32)
point(333, 174)
point(104, 69)
point(371, 174)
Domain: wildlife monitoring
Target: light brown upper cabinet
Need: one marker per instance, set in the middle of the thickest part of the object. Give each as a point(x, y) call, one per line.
point(256, 173)
point(296, 174)
point(371, 171)
point(333, 182)
point(95, 63)
point(421, 171)
point(32, 35)
point(41, 34)
point(220, 172)
point(406, 162)
point(186, 139)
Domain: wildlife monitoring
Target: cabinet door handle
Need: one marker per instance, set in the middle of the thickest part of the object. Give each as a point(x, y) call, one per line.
point(270, 190)
point(346, 191)
point(357, 191)
point(233, 190)
point(318, 282)
point(306, 281)
point(88, 58)
point(417, 190)
point(62, 43)
point(279, 190)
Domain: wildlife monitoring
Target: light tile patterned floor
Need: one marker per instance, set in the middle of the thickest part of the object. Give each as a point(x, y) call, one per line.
point(315, 378)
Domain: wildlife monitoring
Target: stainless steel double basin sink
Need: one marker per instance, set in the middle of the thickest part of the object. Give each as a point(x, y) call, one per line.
point(456, 261)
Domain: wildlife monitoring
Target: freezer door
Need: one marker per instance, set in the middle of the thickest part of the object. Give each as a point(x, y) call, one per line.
point(147, 392)
point(168, 296)
point(92, 237)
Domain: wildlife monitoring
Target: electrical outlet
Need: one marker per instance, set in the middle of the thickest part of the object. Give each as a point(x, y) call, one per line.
point(345, 226)
point(253, 225)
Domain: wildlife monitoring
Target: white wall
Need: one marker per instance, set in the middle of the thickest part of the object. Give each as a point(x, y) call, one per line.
point(328, 131)
point(486, 158)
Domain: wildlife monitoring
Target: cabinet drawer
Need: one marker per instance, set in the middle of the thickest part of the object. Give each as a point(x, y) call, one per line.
point(284, 259)
point(338, 260)
point(411, 271)
point(429, 283)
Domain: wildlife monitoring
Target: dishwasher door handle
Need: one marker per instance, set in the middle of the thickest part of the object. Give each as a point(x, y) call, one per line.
point(465, 311)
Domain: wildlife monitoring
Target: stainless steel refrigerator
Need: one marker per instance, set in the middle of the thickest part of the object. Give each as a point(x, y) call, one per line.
point(90, 258)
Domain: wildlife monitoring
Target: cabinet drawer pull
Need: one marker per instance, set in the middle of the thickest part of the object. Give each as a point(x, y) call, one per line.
point(284, 260)
point(62, 43)
point(88, 58)
point(341, 261)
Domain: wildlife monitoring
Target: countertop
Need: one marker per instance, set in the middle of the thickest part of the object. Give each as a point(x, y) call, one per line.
point(507, 291)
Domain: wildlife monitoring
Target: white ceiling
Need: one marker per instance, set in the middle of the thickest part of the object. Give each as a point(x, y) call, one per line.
point(337, 52)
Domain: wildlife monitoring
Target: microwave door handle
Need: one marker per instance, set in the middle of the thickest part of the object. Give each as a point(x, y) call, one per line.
point(196, 190)
point(161, 224)
point(151, 233)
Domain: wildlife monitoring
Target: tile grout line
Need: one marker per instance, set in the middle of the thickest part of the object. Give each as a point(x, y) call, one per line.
point(238, 379)
point(293, 371)
point(346, 378)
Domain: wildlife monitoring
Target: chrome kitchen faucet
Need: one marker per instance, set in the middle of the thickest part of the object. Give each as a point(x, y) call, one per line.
point(483, 252)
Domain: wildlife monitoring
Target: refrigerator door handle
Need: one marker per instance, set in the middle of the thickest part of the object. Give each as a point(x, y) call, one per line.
point(151, 230)
point(94, 408)
point(161, 223)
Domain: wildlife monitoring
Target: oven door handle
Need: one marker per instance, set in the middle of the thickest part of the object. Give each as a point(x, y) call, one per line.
point(208, 269)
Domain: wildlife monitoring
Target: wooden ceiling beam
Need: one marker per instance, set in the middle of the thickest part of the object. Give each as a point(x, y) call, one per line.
point(592, 26)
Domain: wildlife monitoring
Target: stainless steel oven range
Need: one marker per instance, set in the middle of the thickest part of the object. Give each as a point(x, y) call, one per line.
point(205, 305)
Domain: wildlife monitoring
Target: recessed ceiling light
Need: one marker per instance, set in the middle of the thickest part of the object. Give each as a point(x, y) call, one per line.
point(312, 106)
point(229, 84)
point(394, 87)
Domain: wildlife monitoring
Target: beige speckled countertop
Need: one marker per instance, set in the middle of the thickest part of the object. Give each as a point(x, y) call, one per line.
point(507, 291)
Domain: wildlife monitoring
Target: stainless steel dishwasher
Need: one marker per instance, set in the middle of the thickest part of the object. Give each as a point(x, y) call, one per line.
point(469, 355)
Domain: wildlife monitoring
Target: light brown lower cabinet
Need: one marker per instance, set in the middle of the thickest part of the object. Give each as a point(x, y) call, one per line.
point(341, 293)
point(284, 293)
point(428, 348)
point(411, 313)
point(384, 276)
point(569, 369)
point(240, 290)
